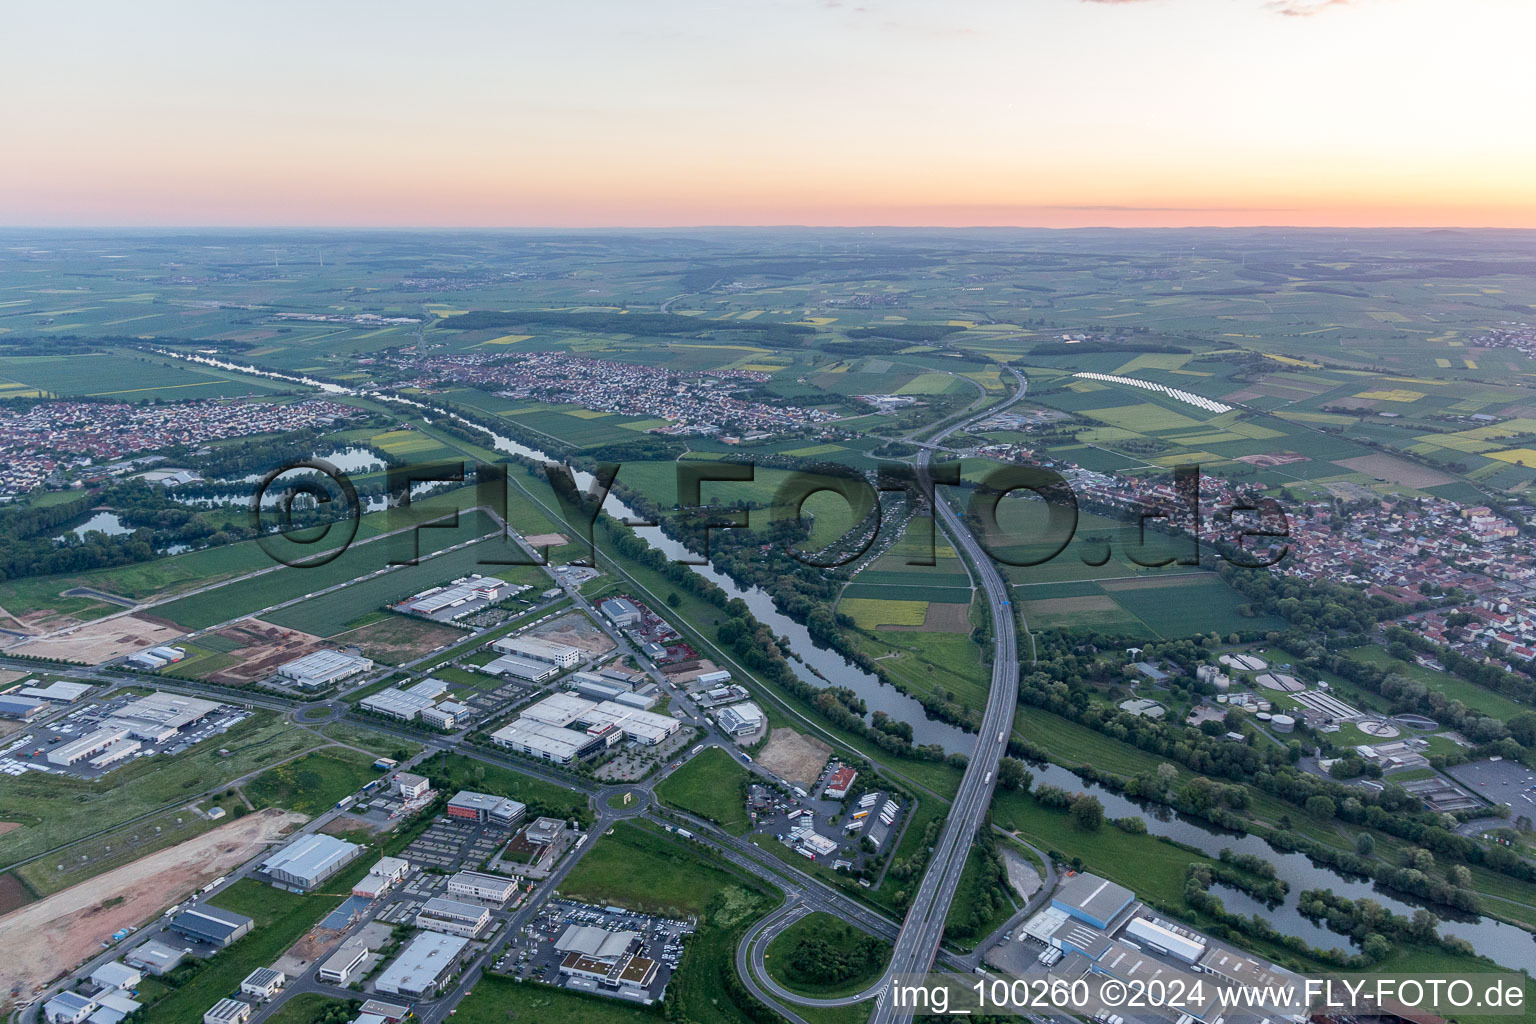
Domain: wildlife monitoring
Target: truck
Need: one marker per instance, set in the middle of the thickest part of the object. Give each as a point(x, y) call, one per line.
point(685, 833)
point(695, 750)
point(214, 884)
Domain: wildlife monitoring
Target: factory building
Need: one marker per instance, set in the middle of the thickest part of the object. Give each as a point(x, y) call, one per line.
point(116, 975)
point(1161, 938)
point(59, 692)
point(519, 667)
point(159, 716)
point(308, 861)
point(228, 1011)
point(740, 719)
point(492, 888)
point(567, 709)
point(550, 742)
point(719, 677)
point(396, 703)
point(1090, 898)
point(483, 807)
point(620, 612)
point(154, 956)
point(155, 658)
point(453, 917)
point(458, 598)
point(323, 668)
point(211, 924)
point(24, 708)
point(423, 966)
point(535, 649)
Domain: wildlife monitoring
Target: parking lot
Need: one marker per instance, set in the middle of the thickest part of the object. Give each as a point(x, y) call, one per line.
point(30, 752)
point(1501, 782)
point(532, 955)
point(450, 845)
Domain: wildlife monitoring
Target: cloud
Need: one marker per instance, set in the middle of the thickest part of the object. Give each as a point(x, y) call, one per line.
point(1304, 8)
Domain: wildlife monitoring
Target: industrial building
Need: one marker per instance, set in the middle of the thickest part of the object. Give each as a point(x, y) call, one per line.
point(459, 598)
point(453, 917)
point(308, 861)
point(228, 1011)
point(620, 612)
point(323, 668)
point(841, 781)
point(741, 719)
point(153, 719)
point(155, 658)
point(412, 787)
point(396, 703)
point(423, 966)
point(116, 975)
point(340, 966)
point(70, 1007)
point(210, 924)
point(263, 983)
point(24, 708)
point(1098, 901)
point(567, 709)
point(550, 742)
point(382, 877)
point(492, 888)
point(536, 649)
point(1164, 939)
point(58, 692)
point(544, 831)
point(483, 807)
point(154, 956)
point(520, 668)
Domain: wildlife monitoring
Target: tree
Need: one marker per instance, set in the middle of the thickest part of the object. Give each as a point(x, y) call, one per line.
point(1364, 844)
point(1321, 807)
point(1087, 812)
point(1012, 776)
point(673, 600)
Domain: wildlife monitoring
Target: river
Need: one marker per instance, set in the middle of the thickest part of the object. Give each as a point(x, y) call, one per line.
point(1505, 944)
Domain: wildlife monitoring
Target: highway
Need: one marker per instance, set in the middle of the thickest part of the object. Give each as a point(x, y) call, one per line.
point(923, 928)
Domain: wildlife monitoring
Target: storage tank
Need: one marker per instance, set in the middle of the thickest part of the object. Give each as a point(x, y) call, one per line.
point(1283, 723)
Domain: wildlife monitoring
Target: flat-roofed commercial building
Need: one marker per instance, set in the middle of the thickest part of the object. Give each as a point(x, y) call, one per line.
point(566, 709)
point(520, 668)
point(552, 743)
point(562, 655)
point(1090, 898)
point(228, 1011)
point(1162, 939)
point(58, 692)
point(116, 975)
point(453, 917)
point(24, 708)
point(309, 860)
point(620, 612)
point(89, 745)
point(412, 787)
point(484, 807)
point(322, 668)
point(340, 967)
point(423, 966)
point(493, 888)
point(68, 1007)
point(263, 983)
point(562, 709)
point(160, 716)
point(382, 877)
point(213, 925)
point(741, 719)
point(395, 703)
point(154, 956)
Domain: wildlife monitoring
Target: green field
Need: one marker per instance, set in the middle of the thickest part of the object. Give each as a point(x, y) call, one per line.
point(711, 785)
point(642, 870)
point(314, 782)
point(127, 376)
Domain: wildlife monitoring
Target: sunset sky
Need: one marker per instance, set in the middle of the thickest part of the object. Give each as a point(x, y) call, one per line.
point(1056, 113)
